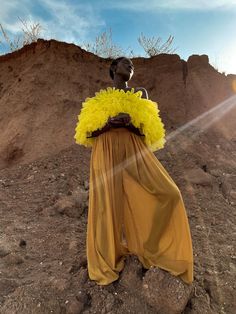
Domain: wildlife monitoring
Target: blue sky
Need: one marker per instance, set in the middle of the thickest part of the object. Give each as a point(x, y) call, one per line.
point(198, 27)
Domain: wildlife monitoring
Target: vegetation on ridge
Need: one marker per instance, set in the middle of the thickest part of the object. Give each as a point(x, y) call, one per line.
point(102, 47)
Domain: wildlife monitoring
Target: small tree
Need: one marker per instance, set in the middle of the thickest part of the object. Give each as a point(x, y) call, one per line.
point(153, 46)
point(104, 47)
point(30, 34)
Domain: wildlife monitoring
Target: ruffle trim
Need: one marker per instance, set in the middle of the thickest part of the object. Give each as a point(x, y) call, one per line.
point(109, 102)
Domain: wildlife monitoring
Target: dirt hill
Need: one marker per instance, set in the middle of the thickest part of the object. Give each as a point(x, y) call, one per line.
point(44, 182)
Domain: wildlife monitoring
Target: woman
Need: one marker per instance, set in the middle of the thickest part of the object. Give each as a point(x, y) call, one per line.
point(134, 205)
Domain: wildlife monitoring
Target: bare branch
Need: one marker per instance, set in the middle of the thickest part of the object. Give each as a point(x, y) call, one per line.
point(30, 33)
point(104, 47)
point(152, 46)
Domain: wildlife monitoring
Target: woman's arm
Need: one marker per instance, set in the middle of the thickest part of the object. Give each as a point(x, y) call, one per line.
point(97, 132)
point(144, 92)
point(122, 119)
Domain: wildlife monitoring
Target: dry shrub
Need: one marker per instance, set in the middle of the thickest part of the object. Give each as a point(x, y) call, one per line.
point(154, 46)
point(30, 33)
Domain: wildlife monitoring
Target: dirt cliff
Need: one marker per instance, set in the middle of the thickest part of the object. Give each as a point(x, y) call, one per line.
point(43, 85)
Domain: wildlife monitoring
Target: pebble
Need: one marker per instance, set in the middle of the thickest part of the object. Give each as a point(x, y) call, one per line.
point(74, 307)
point(4, 252)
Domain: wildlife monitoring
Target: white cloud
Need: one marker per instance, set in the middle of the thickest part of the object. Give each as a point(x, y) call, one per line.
point(69, 22)
point(8, 17)
point(72, 22)
point(137, 5)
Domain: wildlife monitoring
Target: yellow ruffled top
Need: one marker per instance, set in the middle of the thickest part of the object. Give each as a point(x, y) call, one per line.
point(144, 114)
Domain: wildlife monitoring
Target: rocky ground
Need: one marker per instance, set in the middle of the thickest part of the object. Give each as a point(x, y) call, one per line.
point(44, 209)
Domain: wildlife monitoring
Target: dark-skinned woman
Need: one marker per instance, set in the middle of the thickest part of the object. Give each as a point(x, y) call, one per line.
point(135, 207)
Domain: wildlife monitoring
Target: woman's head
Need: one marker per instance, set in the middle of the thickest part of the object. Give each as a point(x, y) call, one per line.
point(123, 67)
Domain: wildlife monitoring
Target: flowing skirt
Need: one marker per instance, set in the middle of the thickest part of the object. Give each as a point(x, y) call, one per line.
point(134, 208)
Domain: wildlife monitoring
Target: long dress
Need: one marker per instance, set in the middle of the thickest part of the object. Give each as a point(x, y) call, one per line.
point(134, 208)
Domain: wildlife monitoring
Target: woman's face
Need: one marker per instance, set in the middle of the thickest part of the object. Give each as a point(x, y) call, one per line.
point(125, 69)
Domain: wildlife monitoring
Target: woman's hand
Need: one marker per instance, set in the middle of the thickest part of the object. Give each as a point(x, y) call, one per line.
point(97, 132)
point(121, 118)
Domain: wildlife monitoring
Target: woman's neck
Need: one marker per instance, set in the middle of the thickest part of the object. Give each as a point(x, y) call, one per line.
point(120, 84)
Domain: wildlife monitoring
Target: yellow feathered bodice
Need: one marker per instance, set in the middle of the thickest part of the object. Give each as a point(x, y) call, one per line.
point(107, 103)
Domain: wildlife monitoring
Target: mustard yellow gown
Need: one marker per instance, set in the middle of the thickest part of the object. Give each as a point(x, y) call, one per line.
point(134, 205)
point(134, 208)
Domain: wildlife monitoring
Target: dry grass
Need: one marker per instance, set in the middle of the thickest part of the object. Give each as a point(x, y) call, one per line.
point(154, 46)
point(30, 33)
point(104, 46)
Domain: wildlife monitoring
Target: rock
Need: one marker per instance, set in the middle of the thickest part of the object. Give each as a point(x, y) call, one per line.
point(80, 196)
point(50, 211)
point(82, 276)
point(72, 205)
point(73, 269)
point(82, 297)
point(73, 212)
point(233, 194)
point(51, 177)
point(86, 185)
point(216, 172)
point(228, 181)
point(30, 178)
point(7, 286)
point(82, 262)
point(198, 176)
point(131, 275)
point(68, 206)
point(166, 293)
point(226, 188)
point(63, 203)
point(73, 245)
point(74, 307)
point(59, 284)
point(4, 251)
point(13, 259)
